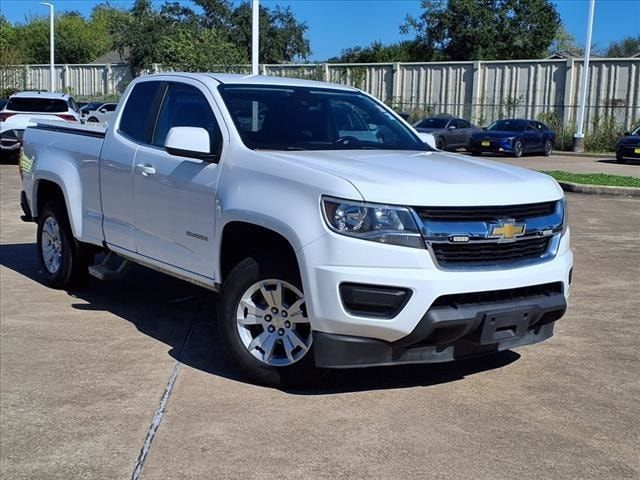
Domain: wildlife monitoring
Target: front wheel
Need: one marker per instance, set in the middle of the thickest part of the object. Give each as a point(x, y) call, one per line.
point(548, 148)
point(64, 260)
point(263, 323)
point(440, 145)
point(518, 149)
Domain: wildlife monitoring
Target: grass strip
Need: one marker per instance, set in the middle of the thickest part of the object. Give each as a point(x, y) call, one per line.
point(595, 179)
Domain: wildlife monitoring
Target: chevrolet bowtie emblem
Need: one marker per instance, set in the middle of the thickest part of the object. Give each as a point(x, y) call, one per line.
point(507, 230)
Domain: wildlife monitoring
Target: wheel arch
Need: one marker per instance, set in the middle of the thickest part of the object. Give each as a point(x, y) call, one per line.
point(241, 238)
point(50, 185)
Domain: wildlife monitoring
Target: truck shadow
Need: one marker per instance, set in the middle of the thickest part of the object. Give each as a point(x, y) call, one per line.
point(182, 316)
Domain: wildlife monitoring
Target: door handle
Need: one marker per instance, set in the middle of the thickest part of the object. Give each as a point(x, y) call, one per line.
point(145, 169)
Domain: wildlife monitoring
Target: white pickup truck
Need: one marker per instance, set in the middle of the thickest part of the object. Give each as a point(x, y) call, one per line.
point(335, 236)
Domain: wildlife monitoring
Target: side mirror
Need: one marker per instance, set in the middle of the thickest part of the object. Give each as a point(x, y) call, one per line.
point(484, 129)
point(192, 142)
point(452, 127)
point(103, 110)
point(428, 139)
point(372, 126)
point(626, 134)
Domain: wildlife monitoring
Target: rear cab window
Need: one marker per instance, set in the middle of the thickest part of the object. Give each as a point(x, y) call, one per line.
point(140, 111)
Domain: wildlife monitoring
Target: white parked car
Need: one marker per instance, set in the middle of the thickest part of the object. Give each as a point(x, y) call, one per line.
point(101, 114)
point(332, 243)
point(26, 108)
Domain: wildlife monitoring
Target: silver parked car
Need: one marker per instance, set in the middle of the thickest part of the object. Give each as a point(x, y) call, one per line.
point(450, 133)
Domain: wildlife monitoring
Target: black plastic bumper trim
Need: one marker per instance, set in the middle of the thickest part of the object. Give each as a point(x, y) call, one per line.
point(448, 333)
point(378, 301)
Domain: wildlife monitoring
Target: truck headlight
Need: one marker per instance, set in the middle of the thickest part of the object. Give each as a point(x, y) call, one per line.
point(371, 221)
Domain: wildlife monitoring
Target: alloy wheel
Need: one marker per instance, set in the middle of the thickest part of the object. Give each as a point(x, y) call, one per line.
point(272, 322)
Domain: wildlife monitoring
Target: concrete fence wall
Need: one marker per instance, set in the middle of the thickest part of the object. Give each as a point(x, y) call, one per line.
point(479, 91)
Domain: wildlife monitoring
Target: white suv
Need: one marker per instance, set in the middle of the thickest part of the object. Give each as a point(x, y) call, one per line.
point(25, 109)
point(101, 114)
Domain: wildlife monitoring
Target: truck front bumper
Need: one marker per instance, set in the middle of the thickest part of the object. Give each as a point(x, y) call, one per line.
point(449, 332)
point(442, 315)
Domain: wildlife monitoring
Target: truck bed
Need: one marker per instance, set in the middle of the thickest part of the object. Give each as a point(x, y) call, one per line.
point(56, 146)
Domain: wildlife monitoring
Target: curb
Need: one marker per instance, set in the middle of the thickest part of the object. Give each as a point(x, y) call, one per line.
point(609, 156)
point(599, 189)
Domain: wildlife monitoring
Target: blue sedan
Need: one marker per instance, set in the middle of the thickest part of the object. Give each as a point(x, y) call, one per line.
point(513, 137)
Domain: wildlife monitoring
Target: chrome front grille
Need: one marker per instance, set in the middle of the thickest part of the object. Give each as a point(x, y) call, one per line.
point(465, 237)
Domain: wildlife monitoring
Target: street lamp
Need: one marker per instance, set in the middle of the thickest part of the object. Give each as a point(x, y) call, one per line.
point(52, 68)
point(578, 138)
point(255, 37)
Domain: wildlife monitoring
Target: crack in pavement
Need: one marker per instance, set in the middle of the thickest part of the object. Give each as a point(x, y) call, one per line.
point(159, 413)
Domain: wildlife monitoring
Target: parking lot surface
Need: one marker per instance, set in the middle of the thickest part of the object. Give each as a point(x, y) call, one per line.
point(572, 163)
point(83, 374)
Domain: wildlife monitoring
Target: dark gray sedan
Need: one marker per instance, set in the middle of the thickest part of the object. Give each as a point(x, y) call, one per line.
point(450, 133)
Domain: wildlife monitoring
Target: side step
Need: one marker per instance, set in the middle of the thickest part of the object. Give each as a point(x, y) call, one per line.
point(113, 267)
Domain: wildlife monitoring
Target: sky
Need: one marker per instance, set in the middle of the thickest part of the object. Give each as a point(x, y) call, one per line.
point(338, 24)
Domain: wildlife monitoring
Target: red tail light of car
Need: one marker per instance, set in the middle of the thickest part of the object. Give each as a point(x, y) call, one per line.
point(68, 118)
point(5, 115)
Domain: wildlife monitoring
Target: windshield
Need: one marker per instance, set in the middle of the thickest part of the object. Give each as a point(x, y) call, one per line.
point(636, 131)
point(432, 123)
point(508, 125)
point(35, 104)
point(302, 118)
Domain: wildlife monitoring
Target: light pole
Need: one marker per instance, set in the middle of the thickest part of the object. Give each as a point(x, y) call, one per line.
point(578, 138)
point(255, 37)
point(52, 68)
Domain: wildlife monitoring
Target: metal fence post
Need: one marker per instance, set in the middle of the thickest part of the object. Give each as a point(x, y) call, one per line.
point(476, 90)
point(396, 85)
point(568, 94)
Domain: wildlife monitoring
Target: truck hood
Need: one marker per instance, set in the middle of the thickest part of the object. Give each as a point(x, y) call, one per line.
point(428, 178)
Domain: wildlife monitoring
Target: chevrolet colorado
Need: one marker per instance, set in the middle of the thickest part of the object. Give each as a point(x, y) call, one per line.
point(335, 237)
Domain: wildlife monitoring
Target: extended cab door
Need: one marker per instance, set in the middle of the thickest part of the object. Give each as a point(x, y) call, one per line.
point(174, 195)
point(134, 128)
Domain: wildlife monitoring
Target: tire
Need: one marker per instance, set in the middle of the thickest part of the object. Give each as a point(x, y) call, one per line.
point(620, 157)
point(518, 148)
point(63, 259)
point(548, 148)
point(440, 144)
point(263, 347)
point(92, 120)
point(476, 153)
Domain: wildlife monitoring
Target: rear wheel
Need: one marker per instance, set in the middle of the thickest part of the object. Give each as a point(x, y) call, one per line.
point(548, 148)
point(518, 148)
point(92, 120)
point(64, 260)
point(619, 157)
point(475, 153)
point(263, 323)
point(440, 143)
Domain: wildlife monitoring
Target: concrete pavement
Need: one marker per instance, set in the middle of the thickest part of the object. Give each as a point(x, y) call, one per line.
point(82, 375)
point(573, 164)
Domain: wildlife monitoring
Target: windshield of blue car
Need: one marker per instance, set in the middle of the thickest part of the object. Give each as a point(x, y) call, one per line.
point(636, 131)
point(508, 125)
point(432, 123)
point(275, 117)
point(36, 104)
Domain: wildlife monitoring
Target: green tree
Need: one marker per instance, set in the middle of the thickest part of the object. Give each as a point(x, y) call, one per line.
point(563, 41)
point(378, 53)
point(77, 40)
point(484, 29)
point(626, 47)
point(281, 35)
